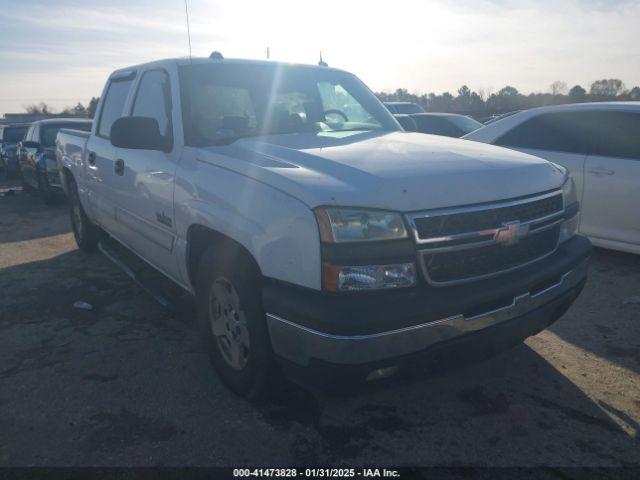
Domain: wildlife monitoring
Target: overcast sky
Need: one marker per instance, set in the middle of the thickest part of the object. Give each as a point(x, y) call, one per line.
point(61, 51)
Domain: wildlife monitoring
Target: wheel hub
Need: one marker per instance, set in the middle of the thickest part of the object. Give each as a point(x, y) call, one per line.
point(228, 324)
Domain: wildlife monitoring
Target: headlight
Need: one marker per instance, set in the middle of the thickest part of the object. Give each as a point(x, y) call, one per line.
point(571, 210)
point(367, 277)
point(338, 225)
point(569, 192)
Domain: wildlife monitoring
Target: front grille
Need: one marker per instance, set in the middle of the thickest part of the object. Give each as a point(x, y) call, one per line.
point(475, 220)
point(461, 265)
point(466, 243)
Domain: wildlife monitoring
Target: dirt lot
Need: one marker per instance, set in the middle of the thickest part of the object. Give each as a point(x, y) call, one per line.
point(128, 384)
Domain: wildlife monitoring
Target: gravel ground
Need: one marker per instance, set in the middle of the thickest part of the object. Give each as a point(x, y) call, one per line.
point(127, 383)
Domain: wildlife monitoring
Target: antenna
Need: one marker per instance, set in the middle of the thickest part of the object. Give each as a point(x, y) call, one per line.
point(186, 11)
point(322, 63)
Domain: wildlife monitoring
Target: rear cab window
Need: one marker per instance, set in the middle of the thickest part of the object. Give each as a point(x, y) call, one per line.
point(49, 132)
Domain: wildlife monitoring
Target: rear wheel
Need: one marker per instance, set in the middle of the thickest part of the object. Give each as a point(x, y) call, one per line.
point(86, 233)
point(232, 321)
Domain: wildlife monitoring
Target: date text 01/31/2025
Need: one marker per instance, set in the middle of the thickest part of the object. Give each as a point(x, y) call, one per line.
point(316, 473)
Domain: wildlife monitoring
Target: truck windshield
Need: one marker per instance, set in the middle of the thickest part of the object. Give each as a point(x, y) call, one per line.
point(223, 102)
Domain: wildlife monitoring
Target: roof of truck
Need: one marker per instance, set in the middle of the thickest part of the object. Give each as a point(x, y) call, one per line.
point(49, 121)
point(204, 60)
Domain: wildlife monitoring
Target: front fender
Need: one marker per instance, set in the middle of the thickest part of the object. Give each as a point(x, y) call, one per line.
point(278, 230)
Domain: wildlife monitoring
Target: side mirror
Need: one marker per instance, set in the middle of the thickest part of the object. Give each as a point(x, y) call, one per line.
point(30, 144)
point(141, 133)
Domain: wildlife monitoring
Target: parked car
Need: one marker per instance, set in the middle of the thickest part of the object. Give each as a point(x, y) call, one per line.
point(337, 247)
point(407, 122)
point(37, 160)
point(599, 143)
point(10, 136)
point(446, 124)
point(403, 107)
point(497, 116)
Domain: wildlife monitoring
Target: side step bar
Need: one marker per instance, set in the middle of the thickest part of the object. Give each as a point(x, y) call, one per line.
point(154, 283)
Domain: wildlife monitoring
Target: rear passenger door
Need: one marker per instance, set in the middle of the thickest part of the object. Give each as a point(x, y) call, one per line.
point(144, 187)
point(101, 153)
point(611, 202)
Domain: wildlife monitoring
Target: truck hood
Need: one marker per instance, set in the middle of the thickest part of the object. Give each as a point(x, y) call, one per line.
point(399, 171)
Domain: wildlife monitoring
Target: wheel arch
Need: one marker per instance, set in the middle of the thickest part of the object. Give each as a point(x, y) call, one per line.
point(201, 237)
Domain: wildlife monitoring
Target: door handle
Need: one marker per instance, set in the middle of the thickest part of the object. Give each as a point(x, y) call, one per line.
point(118, 167)
point(92, 158)
point(601, 171)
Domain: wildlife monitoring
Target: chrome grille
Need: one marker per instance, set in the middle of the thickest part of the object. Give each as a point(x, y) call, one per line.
point(468, 243)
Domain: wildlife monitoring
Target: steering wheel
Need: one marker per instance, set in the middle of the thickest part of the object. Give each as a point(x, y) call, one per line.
point(336, 112)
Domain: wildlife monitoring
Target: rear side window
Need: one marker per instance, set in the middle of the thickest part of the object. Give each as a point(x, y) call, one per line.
point(619, 134)
point(113, 105)
point(571, 132)
point(153, 99)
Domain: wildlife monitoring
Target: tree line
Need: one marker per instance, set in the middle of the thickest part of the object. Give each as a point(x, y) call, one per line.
point(480, 104)
point(79, 110)
point(485, 103)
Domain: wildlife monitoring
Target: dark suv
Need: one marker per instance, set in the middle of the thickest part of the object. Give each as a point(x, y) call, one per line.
point(37, 158)
point(10, 136)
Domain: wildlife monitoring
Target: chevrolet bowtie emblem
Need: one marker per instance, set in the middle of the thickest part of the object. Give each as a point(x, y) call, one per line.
point(511, 233)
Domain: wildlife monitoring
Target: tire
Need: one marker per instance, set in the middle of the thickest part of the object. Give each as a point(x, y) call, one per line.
point(86, 233)
point(26, 187)
point(43, 188)
point(232, 321)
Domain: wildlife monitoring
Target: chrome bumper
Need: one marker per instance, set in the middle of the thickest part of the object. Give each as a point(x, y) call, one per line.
point(300, 344)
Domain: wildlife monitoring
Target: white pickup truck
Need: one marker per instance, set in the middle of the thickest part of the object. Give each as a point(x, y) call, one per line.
point(317, 237)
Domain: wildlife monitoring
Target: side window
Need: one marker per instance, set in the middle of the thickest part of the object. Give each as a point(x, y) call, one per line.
point(153, 99)
point(571, 132)
point(619, 134)
point(113, 105)
point(29, 135)
point(35, 133)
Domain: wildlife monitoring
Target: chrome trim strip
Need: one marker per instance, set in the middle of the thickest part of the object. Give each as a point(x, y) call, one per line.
point(491, 241)
point(412, 217)
point(462, 281)
point(300, 344)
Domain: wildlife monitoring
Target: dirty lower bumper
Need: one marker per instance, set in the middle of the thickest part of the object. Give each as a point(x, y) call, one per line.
point(300, 344)
point(443, 356)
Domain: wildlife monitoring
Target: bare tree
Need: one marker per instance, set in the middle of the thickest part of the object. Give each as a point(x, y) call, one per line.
point(39, 109)
point(558, 87)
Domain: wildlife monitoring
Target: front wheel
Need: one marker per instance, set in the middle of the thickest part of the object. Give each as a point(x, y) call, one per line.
point(86, 233)
point(232, 321)
point(45, 191)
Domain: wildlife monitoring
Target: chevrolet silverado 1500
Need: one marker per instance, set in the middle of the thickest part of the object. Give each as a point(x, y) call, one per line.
point(314, 233)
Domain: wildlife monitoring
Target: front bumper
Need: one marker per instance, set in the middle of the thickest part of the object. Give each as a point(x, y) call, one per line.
point(10, 163)
point(306, 333)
